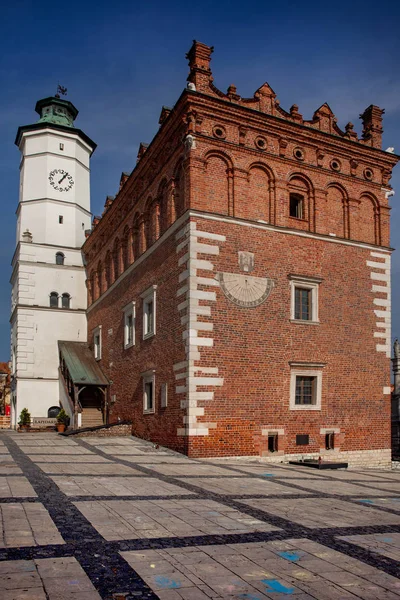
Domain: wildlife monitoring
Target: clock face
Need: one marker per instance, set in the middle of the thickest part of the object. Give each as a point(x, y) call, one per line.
point(61, 180)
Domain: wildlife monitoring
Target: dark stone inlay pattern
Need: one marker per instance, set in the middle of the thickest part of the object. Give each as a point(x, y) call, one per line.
point(110, 574)
point(107, 570)
point(324, 536)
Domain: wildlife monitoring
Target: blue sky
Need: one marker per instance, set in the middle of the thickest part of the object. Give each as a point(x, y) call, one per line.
point(121, 61)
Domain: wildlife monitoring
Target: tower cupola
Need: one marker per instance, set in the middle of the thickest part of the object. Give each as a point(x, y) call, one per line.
point(56, 111)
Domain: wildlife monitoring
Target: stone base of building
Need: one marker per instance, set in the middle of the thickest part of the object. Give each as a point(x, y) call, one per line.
point(365, 459)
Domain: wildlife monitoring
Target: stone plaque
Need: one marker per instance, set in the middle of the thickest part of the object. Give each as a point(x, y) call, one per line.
point(43, 422)
point(245, 290)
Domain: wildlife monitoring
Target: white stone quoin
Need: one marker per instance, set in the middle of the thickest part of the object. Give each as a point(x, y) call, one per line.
point(52, 216)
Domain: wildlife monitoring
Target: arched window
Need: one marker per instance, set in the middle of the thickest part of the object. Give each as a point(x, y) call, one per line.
point(54, 300)
point(60, 258)
point(66, 301)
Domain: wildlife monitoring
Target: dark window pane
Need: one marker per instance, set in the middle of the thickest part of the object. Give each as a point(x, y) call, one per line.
point(149, 395)
point(273, 443)
point(129, 332)
point(59, 258)
point(302, 304)
point(296, 206)
point(305, 387)
point(54, 299)
point(65, 302)
point(149, 317)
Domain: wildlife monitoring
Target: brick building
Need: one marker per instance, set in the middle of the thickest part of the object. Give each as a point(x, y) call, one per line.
point(239, 282)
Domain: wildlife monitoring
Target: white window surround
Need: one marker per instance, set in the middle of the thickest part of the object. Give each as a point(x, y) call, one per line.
point(307, 283)
point(129, 337)
point(304, 372)
point(149, 377)
point(97, 342)
point(149, 312)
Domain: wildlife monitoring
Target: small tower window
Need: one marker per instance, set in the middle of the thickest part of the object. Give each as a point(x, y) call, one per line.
point(296, 206)
point(60, 219)
point(54, 300)
point(61, 146)
point(66, 301)
point(60, 258)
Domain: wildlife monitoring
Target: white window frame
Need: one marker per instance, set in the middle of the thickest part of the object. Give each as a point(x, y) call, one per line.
point(129, 311)
point(304, 372)
point(149, 377)
point(149, 296)
point(97, 349)
point(307, 283)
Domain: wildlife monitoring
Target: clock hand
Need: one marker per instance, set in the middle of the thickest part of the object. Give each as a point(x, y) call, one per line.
point(62, 178)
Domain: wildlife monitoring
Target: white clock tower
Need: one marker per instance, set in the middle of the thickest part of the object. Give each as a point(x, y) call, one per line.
point(48, 279)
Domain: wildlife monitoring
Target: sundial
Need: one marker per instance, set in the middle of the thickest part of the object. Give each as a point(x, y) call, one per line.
point(245, 290)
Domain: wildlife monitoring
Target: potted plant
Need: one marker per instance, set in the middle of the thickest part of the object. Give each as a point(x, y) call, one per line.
point(24, 420)
point(62, 421)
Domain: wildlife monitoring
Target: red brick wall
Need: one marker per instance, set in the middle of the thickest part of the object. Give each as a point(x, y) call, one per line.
point(124, 366)
point(253, 347)
point(241, 158)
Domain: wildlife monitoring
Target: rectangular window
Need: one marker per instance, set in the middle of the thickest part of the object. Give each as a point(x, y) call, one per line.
point(296, 206)
point(149, 312)
point(272, 442)
point(129, 325)
point(305, 390)
point(97, 342)
point(330, 441)
point(306, 386)
point(60, 219)
point(302, 304)
point(61, 146)
point(149, 391)
point(304, 298)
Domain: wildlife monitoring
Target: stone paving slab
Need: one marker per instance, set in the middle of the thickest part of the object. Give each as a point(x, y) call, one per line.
point(344, 488)
point(238, 486)
point(45, 579)
point(86, 458)
point(16, 487)
point(324, 512)
point(27, 524)
point(196, 469)
point(150, 459)
point(118, 486)
point(270, 471)
point(9, 468)
point(118, 520)
point(67, 450)
point(260, 570)
point(130, 451)
point(390, 503)
point(387, 544)
point(88, 469)
point(191, 529)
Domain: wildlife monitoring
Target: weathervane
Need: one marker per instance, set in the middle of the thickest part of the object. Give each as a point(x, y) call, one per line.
point(61, 90)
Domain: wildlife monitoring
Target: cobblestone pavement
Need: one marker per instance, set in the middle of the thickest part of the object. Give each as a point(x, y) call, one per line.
point(114, 518)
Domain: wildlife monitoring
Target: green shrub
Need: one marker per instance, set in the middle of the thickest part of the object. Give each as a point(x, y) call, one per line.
point(25, 417)
point(62, 417)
